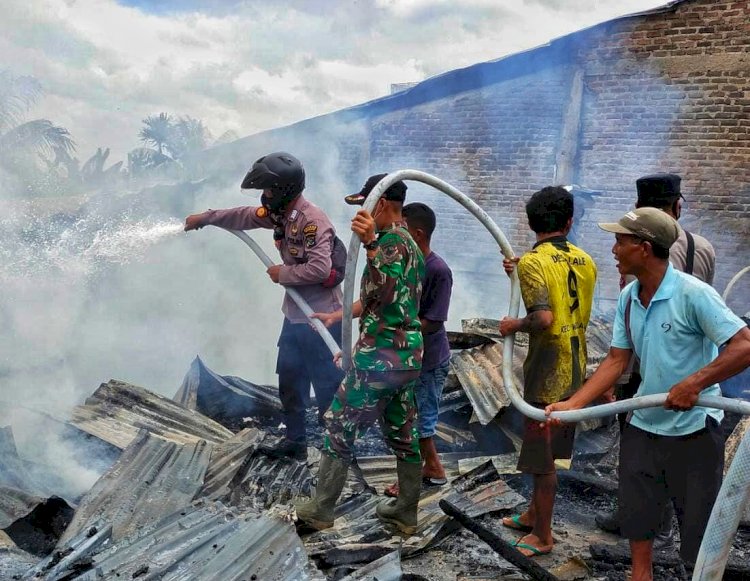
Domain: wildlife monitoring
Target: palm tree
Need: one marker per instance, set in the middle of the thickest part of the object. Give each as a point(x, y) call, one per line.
point(157, 131)
point(24, 145)
point(188, 136)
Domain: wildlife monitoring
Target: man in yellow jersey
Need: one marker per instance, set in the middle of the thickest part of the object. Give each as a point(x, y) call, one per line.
point(557, 285)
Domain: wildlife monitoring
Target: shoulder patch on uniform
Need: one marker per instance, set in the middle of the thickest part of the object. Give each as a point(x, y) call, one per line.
point(261, 212)
point(310, 230)
point(391, 253)
point(293, 215)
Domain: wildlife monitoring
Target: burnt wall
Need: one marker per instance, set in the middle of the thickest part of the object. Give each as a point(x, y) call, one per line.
point(664, 91)
point(670, 92)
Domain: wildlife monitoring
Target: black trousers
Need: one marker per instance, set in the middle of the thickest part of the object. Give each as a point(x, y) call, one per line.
point(654, 470)
point(304, 359)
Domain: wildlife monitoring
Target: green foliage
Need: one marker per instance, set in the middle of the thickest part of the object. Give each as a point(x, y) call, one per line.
point(27, 147)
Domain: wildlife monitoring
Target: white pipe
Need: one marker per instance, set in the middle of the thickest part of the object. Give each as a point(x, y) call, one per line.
point(291, 291)
point(733, 281)
point(735, 491)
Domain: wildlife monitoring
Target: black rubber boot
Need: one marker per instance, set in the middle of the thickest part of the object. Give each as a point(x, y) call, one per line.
point(295, 449)
point(402, 511)
point(609, 521)
point(317, 513)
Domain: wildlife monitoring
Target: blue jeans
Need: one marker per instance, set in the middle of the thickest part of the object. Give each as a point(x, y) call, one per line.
point(428, 390)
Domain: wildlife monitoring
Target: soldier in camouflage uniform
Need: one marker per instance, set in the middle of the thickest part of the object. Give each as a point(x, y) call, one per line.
point(386, 363)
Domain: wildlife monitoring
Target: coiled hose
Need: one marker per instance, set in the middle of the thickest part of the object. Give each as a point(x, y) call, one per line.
point(735, 491)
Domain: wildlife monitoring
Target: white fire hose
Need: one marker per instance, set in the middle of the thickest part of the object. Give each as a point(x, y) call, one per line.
point(291, 291)
point(733, 282)
point(735, 491)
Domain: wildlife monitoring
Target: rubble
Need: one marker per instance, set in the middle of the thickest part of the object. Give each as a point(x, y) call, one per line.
point(151, 479)
point(227, 400)
point(117, 411)
point(190, 496)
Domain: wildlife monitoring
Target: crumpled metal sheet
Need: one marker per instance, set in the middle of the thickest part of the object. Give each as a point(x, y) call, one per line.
point(358, 533)
point(75, 556)
point(207, 541)
point(227, 399)
point(151, 479)
point(21, 491)
point(13, 561)
point(387, 568)
point(117, 411)
point(227, 459)
point(481, 375)
point(479, 370)
point(16, 504)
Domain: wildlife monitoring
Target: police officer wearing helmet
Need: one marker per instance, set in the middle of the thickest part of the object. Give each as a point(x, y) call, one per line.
point(312, 263)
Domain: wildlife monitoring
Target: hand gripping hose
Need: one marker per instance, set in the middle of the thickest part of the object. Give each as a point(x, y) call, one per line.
point(736, 488)
point(291, 291)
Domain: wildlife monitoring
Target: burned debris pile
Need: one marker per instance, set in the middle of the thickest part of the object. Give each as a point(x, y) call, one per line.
point(189, 495)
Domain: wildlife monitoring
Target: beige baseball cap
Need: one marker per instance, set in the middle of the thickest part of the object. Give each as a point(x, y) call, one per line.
point(650, 224)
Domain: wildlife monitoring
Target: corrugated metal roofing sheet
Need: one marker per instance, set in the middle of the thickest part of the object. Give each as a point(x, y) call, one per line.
point(207, 541)
point(227, 399)
point(117, 411)
point(227, 459)
point(387, 568)
point(358, 534)
point(151, 479)
point(13, 561)
point(479, 370)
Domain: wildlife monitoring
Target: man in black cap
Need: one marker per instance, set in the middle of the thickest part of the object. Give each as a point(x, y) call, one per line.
point(691, 254)
point(386, 363)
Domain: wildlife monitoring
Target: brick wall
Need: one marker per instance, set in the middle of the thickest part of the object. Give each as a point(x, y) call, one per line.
point(666, 91)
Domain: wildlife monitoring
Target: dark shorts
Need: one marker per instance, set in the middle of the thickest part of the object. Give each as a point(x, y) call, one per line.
point(653, 469)
point(543, 445)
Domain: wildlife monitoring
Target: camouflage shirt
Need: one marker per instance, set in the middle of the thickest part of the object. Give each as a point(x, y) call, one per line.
point(390, 335)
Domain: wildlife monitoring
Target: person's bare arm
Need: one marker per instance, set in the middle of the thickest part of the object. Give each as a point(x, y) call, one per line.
point(330, 319)
point(533, 322)
point(608, 372)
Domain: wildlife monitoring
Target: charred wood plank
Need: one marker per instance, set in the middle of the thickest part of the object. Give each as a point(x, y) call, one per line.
point(501, 547)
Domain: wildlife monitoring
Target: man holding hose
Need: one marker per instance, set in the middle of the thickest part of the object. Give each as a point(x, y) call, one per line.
point(674, 324)
point(386, 363)
point(307, 243)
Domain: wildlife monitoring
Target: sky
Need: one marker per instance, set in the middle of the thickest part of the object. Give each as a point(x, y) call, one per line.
point(247, 66)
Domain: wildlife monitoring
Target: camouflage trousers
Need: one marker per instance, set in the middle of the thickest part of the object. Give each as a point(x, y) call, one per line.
point(367, 396)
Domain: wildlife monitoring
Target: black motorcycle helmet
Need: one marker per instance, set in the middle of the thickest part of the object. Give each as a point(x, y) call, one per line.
point(280, 172)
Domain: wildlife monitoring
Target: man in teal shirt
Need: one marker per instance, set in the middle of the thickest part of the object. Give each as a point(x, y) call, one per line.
point(674, 324)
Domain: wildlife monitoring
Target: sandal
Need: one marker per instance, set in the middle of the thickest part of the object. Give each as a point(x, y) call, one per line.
point(514, 522)
point(430, 481)
point(535, 551)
